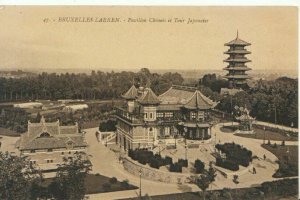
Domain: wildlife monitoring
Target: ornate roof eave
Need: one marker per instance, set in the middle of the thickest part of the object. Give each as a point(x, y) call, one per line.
point(131, 94)
point(149, 98)
point(238, 68)
point(237, 60)
point(198, 97)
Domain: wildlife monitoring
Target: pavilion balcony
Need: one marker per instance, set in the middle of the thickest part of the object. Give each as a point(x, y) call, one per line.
point(133, 117)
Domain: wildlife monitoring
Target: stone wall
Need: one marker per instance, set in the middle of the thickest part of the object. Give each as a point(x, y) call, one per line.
point(149, 173)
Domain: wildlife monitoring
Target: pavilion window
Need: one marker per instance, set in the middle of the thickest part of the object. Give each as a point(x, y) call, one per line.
point(151, 115)
point(193, 115)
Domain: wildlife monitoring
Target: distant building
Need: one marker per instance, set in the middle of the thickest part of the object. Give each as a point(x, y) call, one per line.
point(180, 112)
point(237, 60)
point(46, 143)
point(75, 107)
point(232, 91)
point(28, 105)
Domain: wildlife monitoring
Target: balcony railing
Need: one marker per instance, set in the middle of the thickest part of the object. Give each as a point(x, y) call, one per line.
point(126, 115)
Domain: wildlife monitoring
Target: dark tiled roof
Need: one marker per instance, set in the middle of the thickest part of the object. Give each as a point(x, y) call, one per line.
point(131, 94)
point(177, 95)
point(52, 143)
point(199, 101)
point(58, 136)
point(166, 107)
point(237, 42)
point(148, 98)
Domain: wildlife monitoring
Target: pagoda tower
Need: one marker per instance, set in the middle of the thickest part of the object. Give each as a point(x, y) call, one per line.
point(237, 62)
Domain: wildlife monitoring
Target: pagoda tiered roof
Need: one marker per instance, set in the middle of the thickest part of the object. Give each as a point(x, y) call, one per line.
point(148, 98)
point(242, 60)
point(131, 94)
point(199, 101)
point(237, 51)
point(237, 42)
point(238, 68)
point(237, 76)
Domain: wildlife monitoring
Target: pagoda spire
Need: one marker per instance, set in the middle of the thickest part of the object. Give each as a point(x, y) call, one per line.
point(237, 33)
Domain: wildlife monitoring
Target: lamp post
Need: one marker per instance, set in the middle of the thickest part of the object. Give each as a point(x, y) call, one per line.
point(232, 117)
point(185, 149)
point(175, 136)
point(264, 134)
point(140, 173)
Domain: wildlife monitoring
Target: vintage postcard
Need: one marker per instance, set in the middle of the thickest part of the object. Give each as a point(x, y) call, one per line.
point(149, 102)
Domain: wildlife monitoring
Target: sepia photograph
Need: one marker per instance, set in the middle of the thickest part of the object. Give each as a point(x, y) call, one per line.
point(148, 102)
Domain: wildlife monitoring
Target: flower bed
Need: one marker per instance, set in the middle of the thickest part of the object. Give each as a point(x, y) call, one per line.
point(235, 155)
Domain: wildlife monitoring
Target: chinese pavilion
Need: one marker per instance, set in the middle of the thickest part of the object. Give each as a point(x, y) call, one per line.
point(145, 119)
point(237, 62)
point(245, 121)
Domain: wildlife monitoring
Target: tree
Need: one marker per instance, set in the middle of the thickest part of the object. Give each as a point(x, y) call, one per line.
point(203, 181)
point(69, 182)
point(16, 177)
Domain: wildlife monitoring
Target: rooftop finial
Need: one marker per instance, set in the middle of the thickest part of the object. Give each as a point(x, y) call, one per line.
point(237, 33)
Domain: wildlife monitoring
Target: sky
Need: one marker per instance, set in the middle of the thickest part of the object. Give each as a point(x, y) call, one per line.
point(34, 38)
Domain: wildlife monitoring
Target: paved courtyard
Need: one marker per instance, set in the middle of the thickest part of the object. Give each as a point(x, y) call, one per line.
point(106, 163)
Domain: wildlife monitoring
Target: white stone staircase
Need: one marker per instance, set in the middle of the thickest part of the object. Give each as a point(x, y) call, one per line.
point(109, 139)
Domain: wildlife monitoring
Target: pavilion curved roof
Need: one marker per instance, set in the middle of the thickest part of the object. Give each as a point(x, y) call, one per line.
point(148, 98)
point(199, 101)
point(131, 94)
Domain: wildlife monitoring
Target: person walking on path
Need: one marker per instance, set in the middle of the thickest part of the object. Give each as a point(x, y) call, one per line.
point(254, 170)
point(265, 157)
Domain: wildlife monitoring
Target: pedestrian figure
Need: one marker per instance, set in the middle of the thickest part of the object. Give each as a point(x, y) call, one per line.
point(254, 170)
point(97, 136)
point(265, 157)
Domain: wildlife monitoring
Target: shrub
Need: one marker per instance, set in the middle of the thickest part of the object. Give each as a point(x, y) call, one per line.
point(274, 145)
point(106, 187)
point(113, 180)
point(97, 174)
point(269, 142)
point(283, 143)
point(183, 162)
point(168, 160)
point(199, 166)
point(154, 162)
point(175, 167)
point(125, 183)
point(227, 164)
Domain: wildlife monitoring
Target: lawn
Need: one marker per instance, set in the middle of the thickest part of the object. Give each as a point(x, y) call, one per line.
point(228, 129)
point(8, 132)
point(91, 124)
point(288, 159)
point(269, 135)
point(95, 183)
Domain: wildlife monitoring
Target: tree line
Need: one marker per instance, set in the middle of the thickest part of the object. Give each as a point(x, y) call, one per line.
point(96, 85)
point(274, 101)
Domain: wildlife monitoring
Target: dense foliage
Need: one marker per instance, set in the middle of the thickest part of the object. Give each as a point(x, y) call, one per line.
point(108, 125)
point(16, 177)
point(272, 101)
point(235, 156)
point(199, 166)
point(97, 85)
point(144, 157)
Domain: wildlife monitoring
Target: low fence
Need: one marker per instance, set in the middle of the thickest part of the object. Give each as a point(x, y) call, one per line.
point(152, 174)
